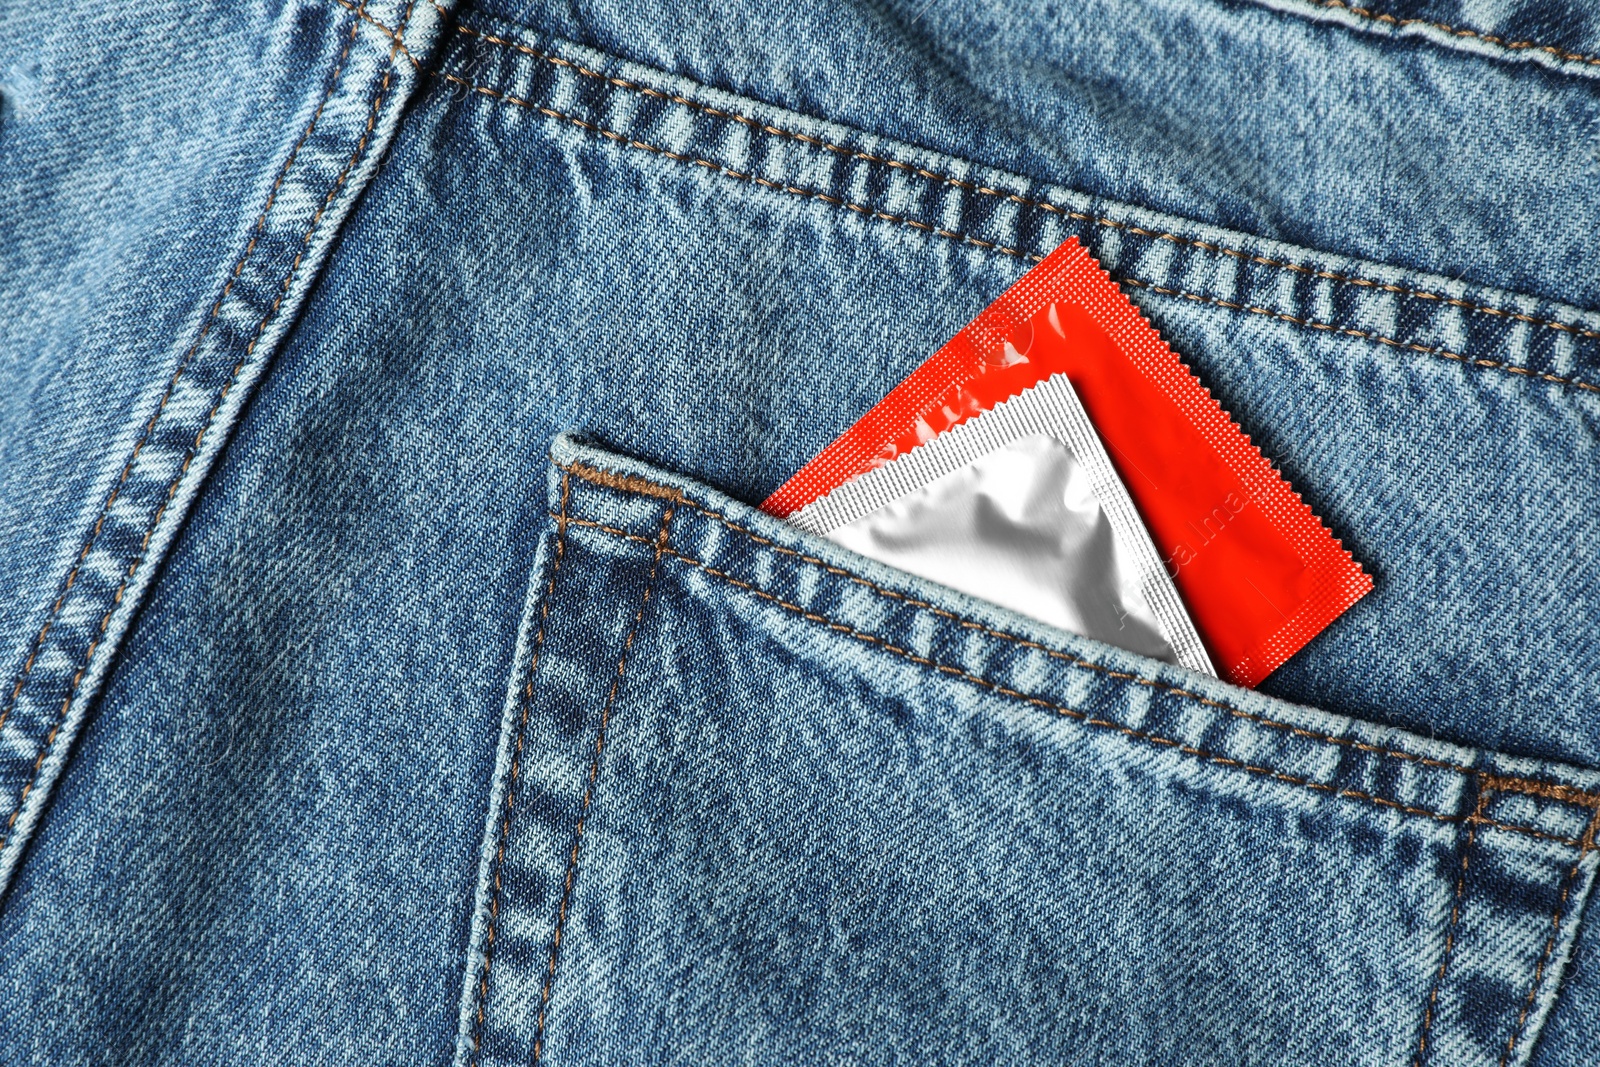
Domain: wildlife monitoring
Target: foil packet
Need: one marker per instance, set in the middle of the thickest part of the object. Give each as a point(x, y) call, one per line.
point(1022, 507)
point(1258, 571)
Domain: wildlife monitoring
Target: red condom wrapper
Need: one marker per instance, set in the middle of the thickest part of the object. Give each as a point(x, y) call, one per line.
point(1258, 571)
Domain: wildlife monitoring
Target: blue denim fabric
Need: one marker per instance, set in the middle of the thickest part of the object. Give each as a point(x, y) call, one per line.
point(788, 804)
point(341, 726)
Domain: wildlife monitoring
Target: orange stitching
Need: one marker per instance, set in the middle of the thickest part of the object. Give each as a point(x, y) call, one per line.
point(1476, 819)
point(588, 793)
point(172, 384)
point(627, 483)
point(1374, 16)
point(1550, 943)
point(614, 531)
point(1450, 931)
point(1526, 831)
point(361, 12)
point(1043, 205)
point(1430, 350)
point(711, 165)
point(194, 447)
point(1549, 790)
point(1536, 788)
point(1078, 661)
point(516, 765)
point(868, 212)
point(1067, 657)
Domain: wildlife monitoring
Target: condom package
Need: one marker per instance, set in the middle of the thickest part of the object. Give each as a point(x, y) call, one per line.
point(1019, 506)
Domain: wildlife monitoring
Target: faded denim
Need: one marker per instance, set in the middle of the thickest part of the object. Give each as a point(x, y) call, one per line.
point(351, 715)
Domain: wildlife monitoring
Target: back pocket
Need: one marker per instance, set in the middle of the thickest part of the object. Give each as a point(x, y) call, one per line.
point(763, 800)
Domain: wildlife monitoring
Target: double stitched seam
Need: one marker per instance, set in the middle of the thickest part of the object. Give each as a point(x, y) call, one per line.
point(1042, 205)
point(1533, 787)
point(1312, 324)
point(516, 768)
point(869, 212)
point(1106, 724)
point(1457, 31)
point(1431, 1010)
point(712, 165)
point(1476, 819)
point(1499, 783)
point(588, 793)
point(1587, 844)
point(194, 446)
point(172, 383)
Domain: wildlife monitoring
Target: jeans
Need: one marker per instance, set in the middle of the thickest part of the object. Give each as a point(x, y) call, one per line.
point(395, 670)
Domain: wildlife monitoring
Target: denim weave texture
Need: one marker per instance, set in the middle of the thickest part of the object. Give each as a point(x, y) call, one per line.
point(392, 667)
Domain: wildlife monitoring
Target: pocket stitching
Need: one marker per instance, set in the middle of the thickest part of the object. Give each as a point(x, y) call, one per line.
point(1549, 790)
point(1533, 787)
point(660, 543)
point(1585, 846)
point(516, 765)
point(1450, 931)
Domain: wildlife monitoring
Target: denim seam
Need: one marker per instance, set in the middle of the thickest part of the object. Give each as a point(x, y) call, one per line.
point(172, 383)
point(516, 768)
point(1107, 724)
point(1043, 205)
point(1495, 782)
point(1475, 819)
point(194, 447)
point(394, 35)
point(712, 165)
point(868, 212)
point(1365, 335)
point(588, 793)
point(1549, 790)
point(1457, 31)
point(1450, 931)
point(1587, 844)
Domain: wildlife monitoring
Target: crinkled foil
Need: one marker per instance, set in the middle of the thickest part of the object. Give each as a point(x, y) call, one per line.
point(1021, 506)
